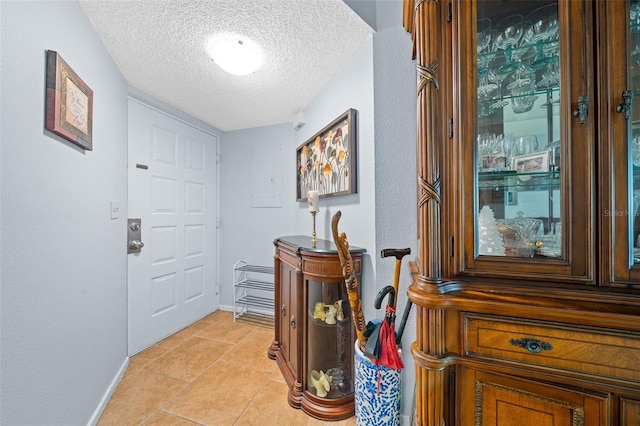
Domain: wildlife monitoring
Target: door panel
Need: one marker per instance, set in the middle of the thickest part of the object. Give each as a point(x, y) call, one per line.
point(505, 400)
point(173, 189)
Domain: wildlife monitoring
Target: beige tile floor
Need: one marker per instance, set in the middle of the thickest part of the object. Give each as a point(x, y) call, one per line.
point(214, 372)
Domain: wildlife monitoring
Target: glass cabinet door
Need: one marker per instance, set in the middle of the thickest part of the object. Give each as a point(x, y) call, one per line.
point(518, 131)
point(330, 336)
point(530, 140)
point(624, 30)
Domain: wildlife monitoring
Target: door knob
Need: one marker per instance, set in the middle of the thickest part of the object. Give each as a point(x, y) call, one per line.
point(136, 245)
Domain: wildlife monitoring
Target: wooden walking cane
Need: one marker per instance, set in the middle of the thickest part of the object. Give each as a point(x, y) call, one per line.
point(399, 254)
point(351, 281)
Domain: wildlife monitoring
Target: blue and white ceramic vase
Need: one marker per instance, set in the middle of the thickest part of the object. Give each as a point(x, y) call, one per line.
point(376, 392)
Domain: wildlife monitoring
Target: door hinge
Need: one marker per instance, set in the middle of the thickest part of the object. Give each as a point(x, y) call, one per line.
point(451, 128)
point(451, 246)
point(449, 16)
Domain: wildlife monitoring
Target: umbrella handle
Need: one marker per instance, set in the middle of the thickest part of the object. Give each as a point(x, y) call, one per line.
point(382, 293)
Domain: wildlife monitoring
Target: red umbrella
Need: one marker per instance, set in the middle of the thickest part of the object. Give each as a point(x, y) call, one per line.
point(389, 356)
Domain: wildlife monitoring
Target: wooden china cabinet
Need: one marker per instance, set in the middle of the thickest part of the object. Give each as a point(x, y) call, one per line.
point(314, 331)
point(527, 281)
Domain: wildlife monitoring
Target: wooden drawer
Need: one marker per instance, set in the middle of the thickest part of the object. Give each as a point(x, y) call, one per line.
point(321, 268)
point(595, 351)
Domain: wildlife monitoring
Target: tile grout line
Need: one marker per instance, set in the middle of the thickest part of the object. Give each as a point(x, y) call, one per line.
point(251, 400)
point(161, 408)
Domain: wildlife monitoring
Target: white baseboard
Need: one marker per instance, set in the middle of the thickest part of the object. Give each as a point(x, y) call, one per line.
point(107, 395)
point(405, 420)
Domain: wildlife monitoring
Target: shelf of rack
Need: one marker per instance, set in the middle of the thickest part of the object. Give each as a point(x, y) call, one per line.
point(253, 295)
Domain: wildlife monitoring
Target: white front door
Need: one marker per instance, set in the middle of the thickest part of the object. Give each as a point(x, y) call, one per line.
point(173, 190)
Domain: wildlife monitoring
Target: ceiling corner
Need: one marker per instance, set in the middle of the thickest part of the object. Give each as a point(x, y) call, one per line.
point(366, 9)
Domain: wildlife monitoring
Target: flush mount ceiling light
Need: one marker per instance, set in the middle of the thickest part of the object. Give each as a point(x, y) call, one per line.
point(234, 54)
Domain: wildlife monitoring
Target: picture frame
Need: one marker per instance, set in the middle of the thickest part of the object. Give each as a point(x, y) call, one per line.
point(69, 103)
point(326, 162)
point(493, 163)
point(531, 163)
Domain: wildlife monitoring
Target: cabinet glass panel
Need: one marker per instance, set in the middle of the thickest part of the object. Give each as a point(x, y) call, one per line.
point(518, 146)
point(633, 96)
point(330, 338)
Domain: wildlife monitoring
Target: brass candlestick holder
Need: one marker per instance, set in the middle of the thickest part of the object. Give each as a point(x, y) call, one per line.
point(313, 234)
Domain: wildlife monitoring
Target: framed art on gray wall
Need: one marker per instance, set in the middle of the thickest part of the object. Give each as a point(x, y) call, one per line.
point(326, 162)
point(69, 103)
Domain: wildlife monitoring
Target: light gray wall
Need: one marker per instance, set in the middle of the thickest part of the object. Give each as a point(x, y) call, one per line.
point(63, 295)
point(395, 182)
point(246, 232)
point(351, 87)
point(379, 82)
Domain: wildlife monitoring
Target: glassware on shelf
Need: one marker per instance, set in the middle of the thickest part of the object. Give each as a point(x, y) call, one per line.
point(484, 34)
point(523, 93)
point(635, 151)
point(554, 155)
point(542, 27)
point(634, 18)
point(497, 77)
point(521, 235)
point(527, 144)
point(509, 143)
point(509, 32)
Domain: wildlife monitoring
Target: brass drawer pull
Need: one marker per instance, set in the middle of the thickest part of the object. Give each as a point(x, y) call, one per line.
point(284, 310)
point(532, 345)
point(292, 322)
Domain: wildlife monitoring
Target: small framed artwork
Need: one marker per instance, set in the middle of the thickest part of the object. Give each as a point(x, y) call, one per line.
point(531, 163)
point(327, 161)
point(493, 163)
point(69, 103)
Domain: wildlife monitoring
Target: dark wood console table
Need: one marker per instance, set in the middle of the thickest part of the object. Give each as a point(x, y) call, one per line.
point(312, 337)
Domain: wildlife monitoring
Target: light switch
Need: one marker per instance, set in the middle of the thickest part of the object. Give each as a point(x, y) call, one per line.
point(115, 209)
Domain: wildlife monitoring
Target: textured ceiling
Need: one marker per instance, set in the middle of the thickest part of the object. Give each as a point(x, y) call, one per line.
point(159, 46)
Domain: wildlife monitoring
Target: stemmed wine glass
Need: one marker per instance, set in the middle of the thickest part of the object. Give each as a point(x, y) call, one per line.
point(497, 76)
point(484, 35)
point(509, 33)
point(485, 53)
point(543, 27)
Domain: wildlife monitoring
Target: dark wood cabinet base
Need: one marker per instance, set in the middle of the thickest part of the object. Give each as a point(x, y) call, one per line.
point(308, 285)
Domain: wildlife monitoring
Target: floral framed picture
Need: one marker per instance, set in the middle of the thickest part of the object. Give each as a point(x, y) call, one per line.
point(327, 161)
point(69, 103)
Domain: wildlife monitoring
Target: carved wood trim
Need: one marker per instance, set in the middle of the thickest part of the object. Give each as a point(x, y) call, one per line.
point(428, 48)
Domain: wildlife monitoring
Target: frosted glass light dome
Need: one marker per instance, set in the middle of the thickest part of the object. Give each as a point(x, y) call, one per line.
point(235, 54)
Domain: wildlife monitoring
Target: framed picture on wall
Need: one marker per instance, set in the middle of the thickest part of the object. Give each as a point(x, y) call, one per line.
point(69, 103)
point(326, 162)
